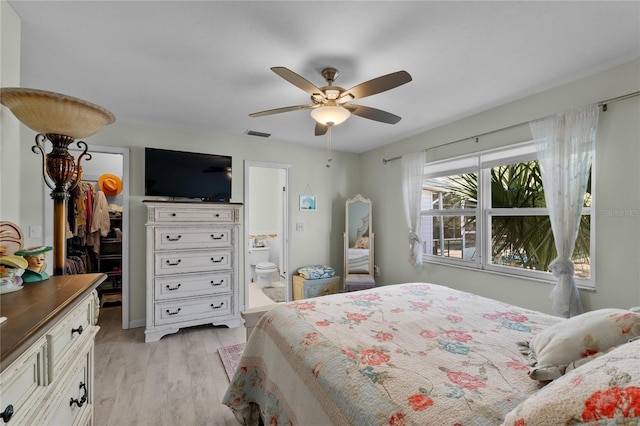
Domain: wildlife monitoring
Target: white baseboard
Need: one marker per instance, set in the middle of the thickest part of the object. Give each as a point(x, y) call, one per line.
point(138, 323)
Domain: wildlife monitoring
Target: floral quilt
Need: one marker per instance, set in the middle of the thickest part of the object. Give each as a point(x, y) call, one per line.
point(405, 354)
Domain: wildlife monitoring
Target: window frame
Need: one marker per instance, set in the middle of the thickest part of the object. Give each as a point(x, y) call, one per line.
point(481, 163)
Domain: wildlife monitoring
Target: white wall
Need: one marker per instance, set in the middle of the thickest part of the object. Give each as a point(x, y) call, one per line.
point(264, 193)
point(10, 130)
point(617, 267)
point(320, 242)
point(265, 216)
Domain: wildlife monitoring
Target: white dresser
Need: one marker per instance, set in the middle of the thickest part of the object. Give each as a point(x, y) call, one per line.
point(192, 266)
point(47, 352)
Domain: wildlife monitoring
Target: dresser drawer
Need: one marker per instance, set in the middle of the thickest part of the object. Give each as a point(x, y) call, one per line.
point(315, 290)
point(24, 380)
point(192, 261)
point(73, 399)
point(193, 214)
point(192, 238)
point(190, 309)
point(73, 330)
point(171, 287)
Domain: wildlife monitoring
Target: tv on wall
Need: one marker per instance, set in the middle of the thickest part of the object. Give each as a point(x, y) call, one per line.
point(179, 174)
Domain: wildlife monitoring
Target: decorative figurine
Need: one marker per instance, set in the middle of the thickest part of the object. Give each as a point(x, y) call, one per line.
point(11, 269)
point(35, 271)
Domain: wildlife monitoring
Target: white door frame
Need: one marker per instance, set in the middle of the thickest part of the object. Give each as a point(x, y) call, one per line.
point(286, 242)
point(48, 220)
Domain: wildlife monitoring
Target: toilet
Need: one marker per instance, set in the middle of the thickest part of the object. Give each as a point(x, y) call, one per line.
point(264, 272)
point(261, 267)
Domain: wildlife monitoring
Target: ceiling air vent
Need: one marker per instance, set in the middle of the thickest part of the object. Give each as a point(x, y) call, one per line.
point(259, 134)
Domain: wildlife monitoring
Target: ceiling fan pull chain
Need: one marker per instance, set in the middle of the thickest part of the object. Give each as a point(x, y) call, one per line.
point(329, 144)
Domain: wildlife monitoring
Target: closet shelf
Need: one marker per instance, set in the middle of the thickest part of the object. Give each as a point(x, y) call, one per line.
point(110, 256)
point(110, 262)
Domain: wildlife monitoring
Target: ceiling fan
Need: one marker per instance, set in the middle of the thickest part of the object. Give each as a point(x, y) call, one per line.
point(331, 104)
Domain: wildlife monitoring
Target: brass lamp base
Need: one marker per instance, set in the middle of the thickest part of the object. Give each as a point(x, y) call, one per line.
point(62, 174)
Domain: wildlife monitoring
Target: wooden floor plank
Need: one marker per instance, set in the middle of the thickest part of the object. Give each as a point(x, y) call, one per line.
point(176, 380)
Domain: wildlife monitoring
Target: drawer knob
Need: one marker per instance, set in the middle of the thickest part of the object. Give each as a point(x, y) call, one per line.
point(217, 238)
point(174, 312)
point(217, 261)
point(78, 330)
point(176, 238)
point(217, 306)
point(82, 400)
point(7, 413)
point(217, 214)
point(215, 284)
point(174, 214)
point(173, 288)
point(176, 263)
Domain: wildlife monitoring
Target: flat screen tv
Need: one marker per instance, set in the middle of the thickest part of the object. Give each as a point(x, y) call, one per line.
point(179, 174)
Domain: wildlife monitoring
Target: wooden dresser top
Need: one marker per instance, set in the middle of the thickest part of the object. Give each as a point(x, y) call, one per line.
point(33, 310)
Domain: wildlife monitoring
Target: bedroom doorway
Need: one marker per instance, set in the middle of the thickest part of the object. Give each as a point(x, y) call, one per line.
point(266, 219)
point(112, 160)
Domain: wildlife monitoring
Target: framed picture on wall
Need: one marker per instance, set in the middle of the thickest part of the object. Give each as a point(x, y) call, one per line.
point(308, 203)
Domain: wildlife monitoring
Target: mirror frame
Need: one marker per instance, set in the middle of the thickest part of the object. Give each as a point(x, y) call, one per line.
point(370, 273)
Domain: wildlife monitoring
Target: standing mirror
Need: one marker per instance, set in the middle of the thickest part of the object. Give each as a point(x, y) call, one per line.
point(358, 245)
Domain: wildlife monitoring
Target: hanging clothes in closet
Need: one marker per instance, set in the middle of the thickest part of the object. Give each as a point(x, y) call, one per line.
point(100, 222)
point(88, 220)
point(80, 207)
point(80, 211)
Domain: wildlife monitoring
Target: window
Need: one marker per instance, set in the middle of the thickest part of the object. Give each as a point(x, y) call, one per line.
point(449, 208)
point(488, 211)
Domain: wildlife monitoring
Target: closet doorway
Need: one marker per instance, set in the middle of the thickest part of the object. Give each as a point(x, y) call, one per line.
point(266, 224)
point(114, 257)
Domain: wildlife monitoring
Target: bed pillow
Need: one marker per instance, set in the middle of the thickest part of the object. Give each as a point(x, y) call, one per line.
point(579, 338)
point(315, 272)
point(603, 391)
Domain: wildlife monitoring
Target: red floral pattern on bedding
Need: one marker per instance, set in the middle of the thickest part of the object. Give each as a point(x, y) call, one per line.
point(409, 354)
point(612, 402)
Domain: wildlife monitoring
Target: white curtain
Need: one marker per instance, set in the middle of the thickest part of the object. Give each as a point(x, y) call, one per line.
point(565, 144)
point(412, 177)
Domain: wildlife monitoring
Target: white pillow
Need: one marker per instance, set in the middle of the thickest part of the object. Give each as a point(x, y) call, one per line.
point(579, 337)
point(605, 391)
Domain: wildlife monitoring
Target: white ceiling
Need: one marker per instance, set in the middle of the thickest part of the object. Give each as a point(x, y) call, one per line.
point(205, 65)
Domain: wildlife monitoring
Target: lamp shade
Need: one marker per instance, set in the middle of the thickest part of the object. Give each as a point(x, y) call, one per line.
point(330, 114)
point(54, 113)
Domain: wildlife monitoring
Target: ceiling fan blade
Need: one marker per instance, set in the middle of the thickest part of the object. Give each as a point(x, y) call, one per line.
point(376, 85)
point(279, 110)
point(373, 114)
point(298, 80)
point(321, 129)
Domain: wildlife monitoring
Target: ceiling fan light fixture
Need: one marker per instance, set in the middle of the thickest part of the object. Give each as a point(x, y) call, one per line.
point(347, 97)
point(330, 114)
point(332, 94)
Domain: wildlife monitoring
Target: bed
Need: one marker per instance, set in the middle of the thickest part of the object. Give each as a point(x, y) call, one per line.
point(405, 354)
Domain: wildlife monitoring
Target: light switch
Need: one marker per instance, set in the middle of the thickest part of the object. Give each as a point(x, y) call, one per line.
point(35, 231)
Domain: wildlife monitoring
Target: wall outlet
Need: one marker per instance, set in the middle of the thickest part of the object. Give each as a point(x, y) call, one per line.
point(35, 231)
point(299, 226)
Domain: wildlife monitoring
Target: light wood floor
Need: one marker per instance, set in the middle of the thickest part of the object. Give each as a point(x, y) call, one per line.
point(178, 380)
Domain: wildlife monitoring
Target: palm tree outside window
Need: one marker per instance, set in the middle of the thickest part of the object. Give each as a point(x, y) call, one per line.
point(491, 214)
